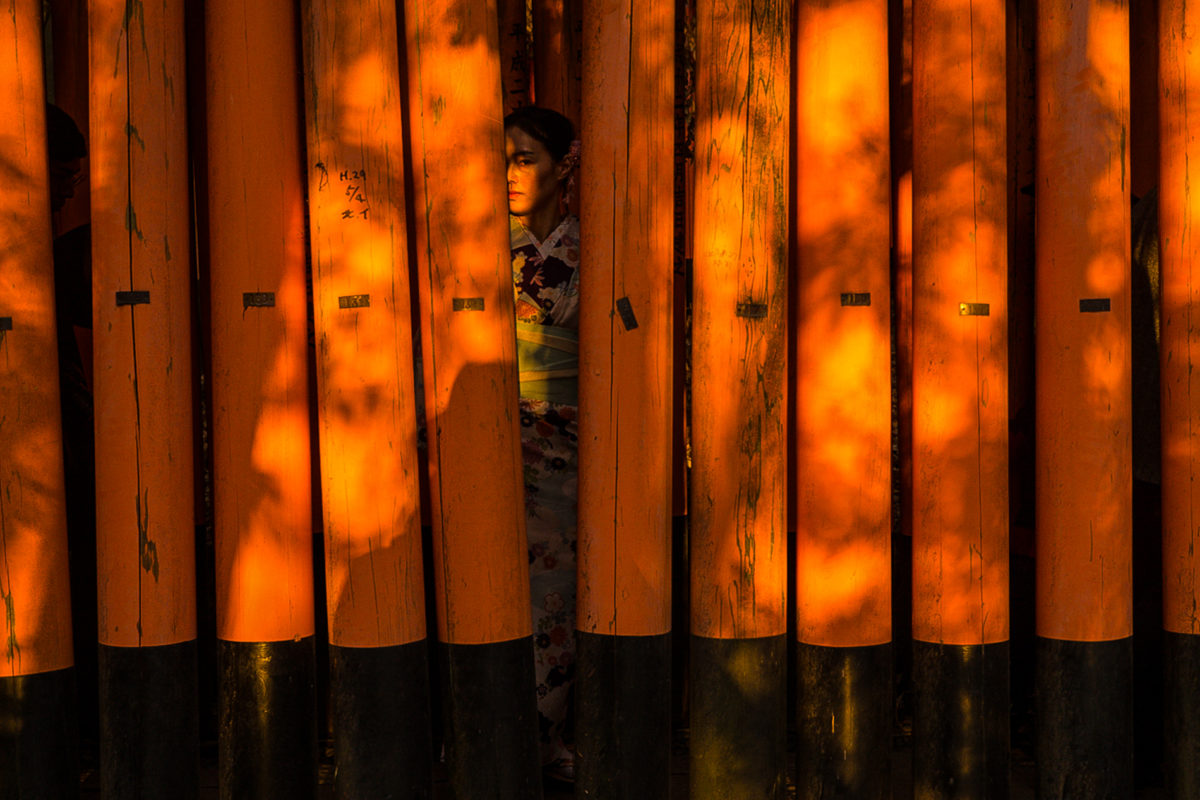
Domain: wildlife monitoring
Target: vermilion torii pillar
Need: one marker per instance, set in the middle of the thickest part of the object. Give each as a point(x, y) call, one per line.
point(37, 747)
point(262, 498)
point(1179, 268)
point(1084, 479)
point(622, 693)
point(481, 568)
point(842, 230)
point(366, 401)
point(739, 483)
point(960, 400)
point(141, 306)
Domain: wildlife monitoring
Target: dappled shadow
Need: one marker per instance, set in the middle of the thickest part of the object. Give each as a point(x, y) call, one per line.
point(843, 387)
point(35, 634)
point(960, 326)
point(469, 348)
point(738, 490)
point(626, 378)
point(365, 395)
point(1083, 356)
point(262, 497)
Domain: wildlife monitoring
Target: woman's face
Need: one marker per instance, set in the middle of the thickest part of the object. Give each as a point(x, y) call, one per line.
point(534, 179)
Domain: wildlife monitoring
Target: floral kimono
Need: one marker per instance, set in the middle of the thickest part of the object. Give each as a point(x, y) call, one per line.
point(546, 285)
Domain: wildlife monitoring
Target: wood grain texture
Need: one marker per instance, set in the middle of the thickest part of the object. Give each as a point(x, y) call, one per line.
point(960, 348)
point(1084, 479)
point(366, 399)
point(141, 241)
point(843, 375)
point(739, 489)
point(481, 569)
point(625, 377)
point(262, 495)
point(35, 630)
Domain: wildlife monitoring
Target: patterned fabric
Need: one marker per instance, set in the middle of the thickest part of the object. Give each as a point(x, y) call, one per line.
point(546, 274)
point(546, 283)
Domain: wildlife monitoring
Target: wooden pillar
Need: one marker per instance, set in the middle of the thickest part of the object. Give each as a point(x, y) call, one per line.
point(843, 399)
point(516, 53)
point(366, 400)
point(469, 350)
point(263, 518)
point(37, 743)
point(141, 301)
point(1179, 65)
point(557, 47)
point(1084, 599)
point(69, 40)
point(739, 488)
point(960, 400)
point(623, 734)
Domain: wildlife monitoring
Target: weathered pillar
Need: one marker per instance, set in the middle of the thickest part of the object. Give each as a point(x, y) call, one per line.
point(623, 688)
point(843, 400)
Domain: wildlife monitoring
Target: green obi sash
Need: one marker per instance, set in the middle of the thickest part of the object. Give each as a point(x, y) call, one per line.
point(548, 360)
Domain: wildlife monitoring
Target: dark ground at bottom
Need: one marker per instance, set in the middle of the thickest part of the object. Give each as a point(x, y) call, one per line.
point(1022, 783)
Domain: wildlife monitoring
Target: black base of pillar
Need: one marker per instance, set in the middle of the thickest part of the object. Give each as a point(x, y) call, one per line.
point(491, 721)
point(149, 725)
point(623, 728)
point(1181, 723)
point(267, 718)
point(961, 720)
point(739, 718)
point(1084, 719)
point(38, 747)
point(380, 708)
point(844, 722)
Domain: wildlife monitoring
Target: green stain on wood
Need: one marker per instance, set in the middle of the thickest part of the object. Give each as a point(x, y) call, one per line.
point(147, 548)
point(132, 132)
point(131, 223)
point(14, 649)
point(1122, 158)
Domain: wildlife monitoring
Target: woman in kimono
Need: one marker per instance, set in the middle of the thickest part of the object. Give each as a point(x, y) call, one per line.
point(542, 154)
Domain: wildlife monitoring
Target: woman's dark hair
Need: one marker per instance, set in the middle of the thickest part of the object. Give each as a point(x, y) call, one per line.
point(551, 128)
point(63, 137)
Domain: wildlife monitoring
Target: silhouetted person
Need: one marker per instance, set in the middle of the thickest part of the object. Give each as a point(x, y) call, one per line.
point(73, 311)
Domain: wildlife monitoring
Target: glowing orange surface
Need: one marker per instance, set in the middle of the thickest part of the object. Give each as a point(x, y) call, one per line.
point(1084, 474)
point(739, 489)
point(843, 390)
point(35, 630)
point(960, 361)
point(365, 394)
point(143, 366)
point(480, 557)
point(261, 469)
point(1179, 264)
point(625, 381)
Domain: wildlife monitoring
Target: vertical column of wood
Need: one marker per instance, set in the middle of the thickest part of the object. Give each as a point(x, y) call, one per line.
point(1179, 262)
point(516, 56)
point(623, 735)
point(37, 748)
point(960, 400)
point(557, 45)
point(843, 399)
point(1083, 400)
point(366, 400)
point(469, 350)
point(262, 499)
point(69, 40)
point(739, 489)
point(141, 287)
